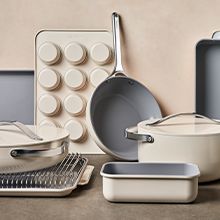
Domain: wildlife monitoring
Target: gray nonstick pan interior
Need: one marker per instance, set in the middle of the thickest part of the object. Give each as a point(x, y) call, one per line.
point(118, 103)
point(208, 78)
point(148, 169)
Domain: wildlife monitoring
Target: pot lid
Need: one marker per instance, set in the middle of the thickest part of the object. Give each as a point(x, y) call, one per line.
point(11, 136)
point(189, 124)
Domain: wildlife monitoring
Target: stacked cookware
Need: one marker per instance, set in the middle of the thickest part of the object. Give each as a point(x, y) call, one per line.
point(35, 161)
point(174, 152)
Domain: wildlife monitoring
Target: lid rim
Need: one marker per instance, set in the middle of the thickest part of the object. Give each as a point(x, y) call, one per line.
point(201, 128)
point(26, 142)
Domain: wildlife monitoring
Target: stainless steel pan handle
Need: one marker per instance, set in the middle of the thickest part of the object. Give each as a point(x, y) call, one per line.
point(159, 121)
point(51, 152)
point(23, 128)
point(118, 70)
point(132, 133)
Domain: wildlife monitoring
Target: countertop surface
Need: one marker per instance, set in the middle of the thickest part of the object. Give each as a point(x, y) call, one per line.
point(87, 202)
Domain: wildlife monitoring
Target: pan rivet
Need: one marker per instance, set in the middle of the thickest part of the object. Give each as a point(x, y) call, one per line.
point(13, 153)
point(131, 83)
point(150, 139)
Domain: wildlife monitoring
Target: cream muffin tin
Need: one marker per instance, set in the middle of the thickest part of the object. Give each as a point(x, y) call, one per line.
point(69, 65)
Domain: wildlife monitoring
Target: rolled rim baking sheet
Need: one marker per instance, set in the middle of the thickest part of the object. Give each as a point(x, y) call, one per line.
point(17, 96)
point(208, 78)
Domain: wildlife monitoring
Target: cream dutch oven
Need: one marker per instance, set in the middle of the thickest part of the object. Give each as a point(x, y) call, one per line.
point(184, 137)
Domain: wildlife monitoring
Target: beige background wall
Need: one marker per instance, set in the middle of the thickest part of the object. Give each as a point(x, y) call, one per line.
point(159, 37)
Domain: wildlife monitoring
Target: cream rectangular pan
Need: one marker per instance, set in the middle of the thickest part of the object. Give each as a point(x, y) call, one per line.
point(208, 78)
point(150, 182)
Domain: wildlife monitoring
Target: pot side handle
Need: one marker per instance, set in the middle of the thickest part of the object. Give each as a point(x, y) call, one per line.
point(159, 121)
point(27, 131)
point(28, 153)
point(132, 134)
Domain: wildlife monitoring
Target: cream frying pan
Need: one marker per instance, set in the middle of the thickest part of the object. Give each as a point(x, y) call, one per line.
point(25, 148)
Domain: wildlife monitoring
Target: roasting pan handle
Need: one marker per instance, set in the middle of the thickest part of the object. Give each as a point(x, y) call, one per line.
point(132, 133)
point(51, 152)
point(216, 35)
point(159, 121)
point(27, 131)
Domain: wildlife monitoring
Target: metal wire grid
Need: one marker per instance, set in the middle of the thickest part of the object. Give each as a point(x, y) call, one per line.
point(62, 175)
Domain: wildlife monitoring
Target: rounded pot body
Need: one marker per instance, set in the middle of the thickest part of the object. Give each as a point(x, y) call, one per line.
point(201, 150)
point(201, 147)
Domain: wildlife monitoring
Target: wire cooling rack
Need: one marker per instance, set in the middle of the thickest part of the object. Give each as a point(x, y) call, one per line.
point(58, 180)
